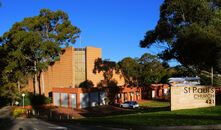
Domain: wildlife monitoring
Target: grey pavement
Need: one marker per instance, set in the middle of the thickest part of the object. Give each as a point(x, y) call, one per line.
point(6, 120)
point(37, 124)
point(5, 112)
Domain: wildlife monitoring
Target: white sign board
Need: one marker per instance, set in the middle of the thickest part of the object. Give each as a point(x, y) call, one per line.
point(187, 97)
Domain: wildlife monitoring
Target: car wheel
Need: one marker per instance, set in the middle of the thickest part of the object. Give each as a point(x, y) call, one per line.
point(121, 105)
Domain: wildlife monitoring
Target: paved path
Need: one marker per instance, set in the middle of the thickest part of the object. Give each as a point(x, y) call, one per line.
point(5, 112)
point(37, 124)
point(6, 120)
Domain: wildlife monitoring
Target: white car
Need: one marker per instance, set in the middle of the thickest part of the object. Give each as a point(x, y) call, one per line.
point(130, 104)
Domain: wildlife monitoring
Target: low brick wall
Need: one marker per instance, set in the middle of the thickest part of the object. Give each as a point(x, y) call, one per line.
point(187, 97)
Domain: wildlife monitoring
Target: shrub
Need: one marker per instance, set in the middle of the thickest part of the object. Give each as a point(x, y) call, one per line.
point(218, 99)
point(86, 84)
point(18, 112)
point(37, 100)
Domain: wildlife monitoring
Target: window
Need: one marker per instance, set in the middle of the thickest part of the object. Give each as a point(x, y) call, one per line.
point(79, 66)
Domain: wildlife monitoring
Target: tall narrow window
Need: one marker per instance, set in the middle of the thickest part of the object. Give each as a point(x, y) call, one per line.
point(79, 65)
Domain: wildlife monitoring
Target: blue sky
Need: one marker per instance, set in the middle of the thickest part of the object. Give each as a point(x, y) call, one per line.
point(116, 26)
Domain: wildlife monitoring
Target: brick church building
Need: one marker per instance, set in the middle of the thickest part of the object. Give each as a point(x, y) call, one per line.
point(75, 66)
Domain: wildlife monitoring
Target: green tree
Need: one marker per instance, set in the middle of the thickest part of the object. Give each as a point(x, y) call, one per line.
point(152, 69)
point(35, 42)
point(130, 69)
point(143, 71)
point(182, 71)
point(107, 68)
point(8, 90)
point(191, 30)
point(86, 84)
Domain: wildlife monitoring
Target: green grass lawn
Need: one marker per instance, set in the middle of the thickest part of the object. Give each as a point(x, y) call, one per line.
point(201, 116)
point(154, 104)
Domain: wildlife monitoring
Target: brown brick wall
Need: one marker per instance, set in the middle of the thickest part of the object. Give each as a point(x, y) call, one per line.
point(60, 74)
point(119, 78)
point(92, 54)
point(128, 90)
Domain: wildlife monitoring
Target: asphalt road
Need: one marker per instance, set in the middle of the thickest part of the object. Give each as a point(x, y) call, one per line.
point(6, 120)
point(37, 124)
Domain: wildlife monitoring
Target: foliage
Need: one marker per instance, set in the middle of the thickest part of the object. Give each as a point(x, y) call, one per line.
point(37, 100)
point(27, 101)
point(218, 99)
point(152, 69)
point(31, 45)
point(10, 92)
point(191, 31)
point(130, 69)
point(143, 71)
point(182, 71)
point(107, 68)
point(113, 90)
point(86, 84)
point(206, 78)
point(17, 112)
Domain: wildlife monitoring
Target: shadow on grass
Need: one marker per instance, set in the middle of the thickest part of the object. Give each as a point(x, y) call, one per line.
point(53, 113)
point(103, 111)
point(153, 120)
point(154, 109)
point(129, 118)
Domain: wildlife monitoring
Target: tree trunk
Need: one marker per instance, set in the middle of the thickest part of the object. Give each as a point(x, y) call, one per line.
point(35, 77)
point(39, 83)
point(19, 87)
point(212, 75)
point(34, 88)
point(36, 83)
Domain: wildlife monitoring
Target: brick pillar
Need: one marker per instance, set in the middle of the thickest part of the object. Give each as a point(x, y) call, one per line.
point(78, 100)
point(128, 96)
